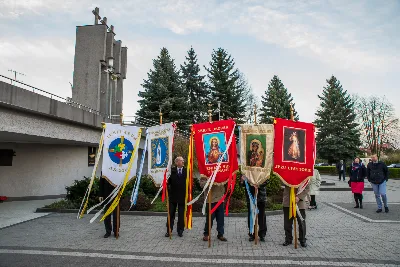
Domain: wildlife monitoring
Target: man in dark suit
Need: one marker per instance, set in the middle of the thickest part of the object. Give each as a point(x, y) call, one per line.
point(105, 190)
point(177, 194)
point(341, 168)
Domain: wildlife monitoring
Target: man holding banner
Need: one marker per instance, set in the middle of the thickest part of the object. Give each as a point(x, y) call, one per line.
point(177, 194)
point(288, 222)
point(105, 190)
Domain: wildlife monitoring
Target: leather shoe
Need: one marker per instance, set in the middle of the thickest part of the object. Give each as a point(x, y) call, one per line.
point(303, 244)
point(251, 239)
point(107, 235)
point(262, 239)
point(287, 243)
point(386, 209)
point(180, 234)
point(167, 235)
point(379, 211)
point(222, 238)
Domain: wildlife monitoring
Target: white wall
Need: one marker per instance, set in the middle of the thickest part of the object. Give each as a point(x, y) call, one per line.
point(40, 170)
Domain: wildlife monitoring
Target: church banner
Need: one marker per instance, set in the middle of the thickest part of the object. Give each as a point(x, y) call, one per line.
point(119, 143)
point(256, 151)
point(216, 148)
point(294, 151)
point(159, 147)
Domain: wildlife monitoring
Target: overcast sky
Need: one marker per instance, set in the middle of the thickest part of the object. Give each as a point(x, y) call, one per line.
point(303, 42)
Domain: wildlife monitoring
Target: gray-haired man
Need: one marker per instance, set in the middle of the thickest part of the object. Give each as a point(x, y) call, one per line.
point(177, 194)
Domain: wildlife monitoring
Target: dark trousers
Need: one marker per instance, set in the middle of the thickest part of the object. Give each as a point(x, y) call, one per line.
point(342, 173)
point(219, 216)
point(358, 198)
point(313, 202)
point(262, 218)
point(181, 216)
point(107, 220)
point(288, 225)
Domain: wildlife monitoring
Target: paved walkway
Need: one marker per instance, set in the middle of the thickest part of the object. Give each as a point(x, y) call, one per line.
point(336, 237)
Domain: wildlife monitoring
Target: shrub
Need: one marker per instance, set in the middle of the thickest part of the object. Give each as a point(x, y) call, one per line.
point(274, 185)
point(147, 186)
point(394, 172)
point(237, 205)
point(143, 203)
point(331, 170)
point(77, 190)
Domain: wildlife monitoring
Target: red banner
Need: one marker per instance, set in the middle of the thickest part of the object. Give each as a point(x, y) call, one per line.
point(294, 151)
point(211, 141)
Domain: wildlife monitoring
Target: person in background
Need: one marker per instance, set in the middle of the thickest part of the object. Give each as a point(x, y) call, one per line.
point(341, 168)
point(378, 175)
point(315, 183)
point(105, 189)
point(177, 194)
point(357, 175)
point(261, 202)
point(217, 192)
point(288, 223)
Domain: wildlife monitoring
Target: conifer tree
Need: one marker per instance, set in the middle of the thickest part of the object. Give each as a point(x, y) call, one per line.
point(276, 102)
point(195, 88)
point(163, 89)
point(338, 136)
point(226, 85)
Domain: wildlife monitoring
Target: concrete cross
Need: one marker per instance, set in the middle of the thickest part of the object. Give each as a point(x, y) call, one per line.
point(96, 13)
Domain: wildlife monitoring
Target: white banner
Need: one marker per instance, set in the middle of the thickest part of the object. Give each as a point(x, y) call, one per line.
point(119, 143)
point(159, 148)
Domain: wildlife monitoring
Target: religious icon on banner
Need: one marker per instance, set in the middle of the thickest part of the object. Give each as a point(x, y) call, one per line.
point(214, 146)
point(294, 145)
point(159, 152)
point(256, 152)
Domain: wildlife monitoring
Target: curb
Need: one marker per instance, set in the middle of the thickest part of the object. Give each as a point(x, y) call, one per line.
point(148, 213)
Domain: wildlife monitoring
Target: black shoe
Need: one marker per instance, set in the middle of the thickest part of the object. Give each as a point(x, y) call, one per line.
point(167, 235)
point(361, 206)
point(107, 235)
point(386, 209)
point(356, 207)
point(180, 234)
point(303, 244)
point(379, 211)
point(262, 239)
point(251, 239)
point(287, 243)
point(222, 238)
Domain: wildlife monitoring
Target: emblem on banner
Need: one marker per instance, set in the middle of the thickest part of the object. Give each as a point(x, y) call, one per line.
point(159, 152)
point(120, 151)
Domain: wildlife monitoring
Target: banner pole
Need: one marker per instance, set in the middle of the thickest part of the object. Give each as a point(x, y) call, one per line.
point(166, 194)
point(209, 195)
point(294, 219)
point(256, 226)
point(118, 207)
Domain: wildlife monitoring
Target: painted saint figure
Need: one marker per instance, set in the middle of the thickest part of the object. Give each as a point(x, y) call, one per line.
point(214, 153)
point(294, 149)
point(158, 158)
point(255, 155)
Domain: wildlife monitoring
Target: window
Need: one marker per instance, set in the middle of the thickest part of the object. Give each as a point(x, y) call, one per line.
point(6, 157)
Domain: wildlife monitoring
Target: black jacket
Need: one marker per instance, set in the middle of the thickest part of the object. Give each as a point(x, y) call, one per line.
point(262, 191)
point(377, 173)
point(339, 166)
point(177, 186)
point(105, 188)
point(359, 174)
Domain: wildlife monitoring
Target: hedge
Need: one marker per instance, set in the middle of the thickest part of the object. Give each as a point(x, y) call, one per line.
point(331, 170)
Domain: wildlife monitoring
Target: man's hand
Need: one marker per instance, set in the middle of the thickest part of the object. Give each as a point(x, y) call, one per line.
point(243, 178)
point(101, 199)
point(297, 199)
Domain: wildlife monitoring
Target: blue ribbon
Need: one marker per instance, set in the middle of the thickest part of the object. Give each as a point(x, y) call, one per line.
point(253, 207)
point(135, 190)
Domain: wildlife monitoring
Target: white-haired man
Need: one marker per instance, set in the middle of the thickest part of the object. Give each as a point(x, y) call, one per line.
point(177, 193)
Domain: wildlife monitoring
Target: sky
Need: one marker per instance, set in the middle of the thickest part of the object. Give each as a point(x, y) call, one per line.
point(303, 42)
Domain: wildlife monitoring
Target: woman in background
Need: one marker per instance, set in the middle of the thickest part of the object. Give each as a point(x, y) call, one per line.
point(315, 183)
point(357, 175)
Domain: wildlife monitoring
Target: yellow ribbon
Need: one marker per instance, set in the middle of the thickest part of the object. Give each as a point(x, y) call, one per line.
point(118, 197)
point(292, 209)
point(188, 217)
point(93, 174)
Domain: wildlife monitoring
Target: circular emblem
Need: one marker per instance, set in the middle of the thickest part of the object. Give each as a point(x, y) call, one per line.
point(120, 150)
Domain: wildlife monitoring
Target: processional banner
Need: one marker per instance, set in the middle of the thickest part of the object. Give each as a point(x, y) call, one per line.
point(216, 153)
point(294, 151)
point(256, 152)
point(119, 147)
point(159, 147)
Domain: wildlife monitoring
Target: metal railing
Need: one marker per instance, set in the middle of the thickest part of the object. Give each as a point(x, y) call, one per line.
point(66, 100)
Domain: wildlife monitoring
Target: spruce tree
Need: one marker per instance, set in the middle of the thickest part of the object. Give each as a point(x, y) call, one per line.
point(276, 102)
point(195, 88)
point(226, 85)
point(338, 136)
point(163, 89)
